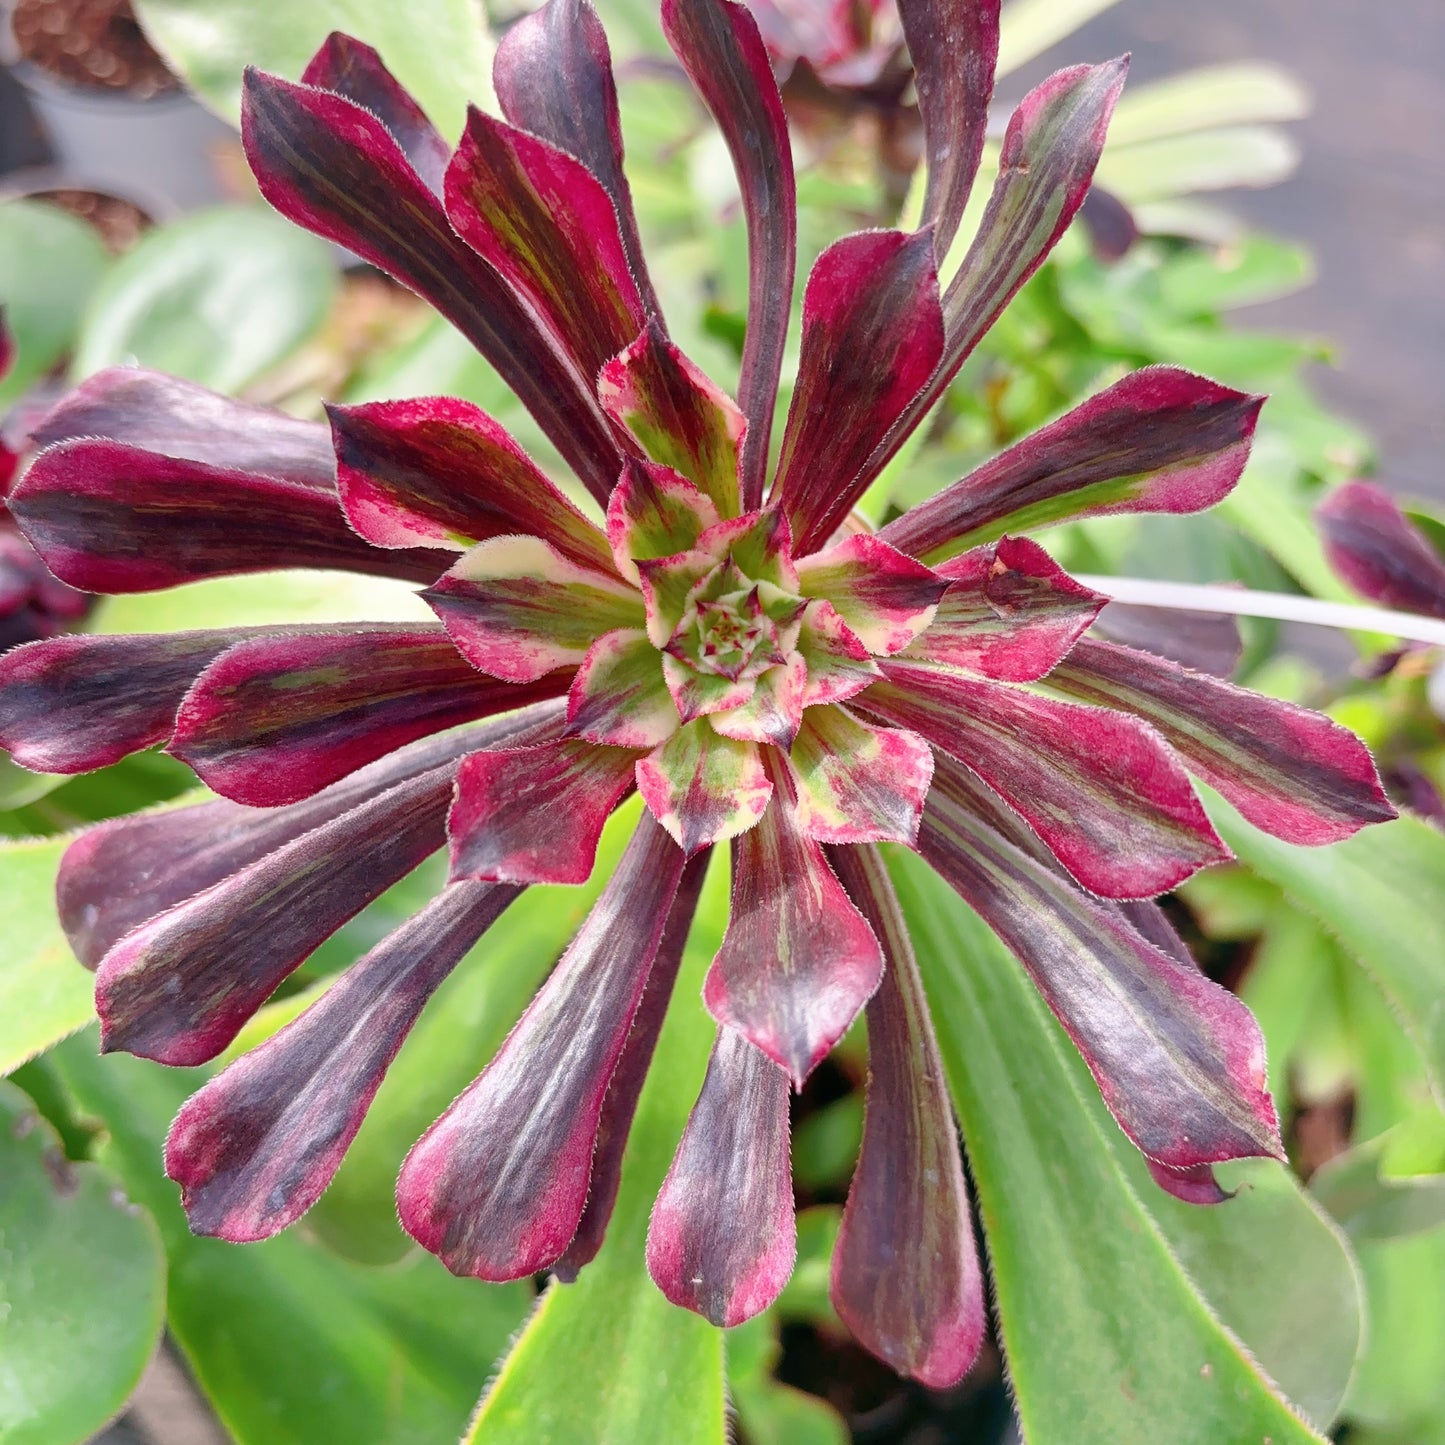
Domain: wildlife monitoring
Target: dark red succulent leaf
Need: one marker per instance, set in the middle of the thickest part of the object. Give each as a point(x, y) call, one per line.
point(1202, 641)
point(1193, 1186)
point(719, 46)
point(723, 1237)
point(332, 167)
point(497, 1186)
point(255, 1148)
point(906, 1277)
point(1376, 550)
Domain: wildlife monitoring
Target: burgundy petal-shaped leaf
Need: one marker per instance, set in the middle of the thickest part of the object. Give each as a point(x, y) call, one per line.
point(1178, 1059)
point(654, 512)
point(1101, 789)
point(726, 60)
point(774, 712)
point(175, 418)
point(255, 1148)
point(1161, 440)
point(886, 598)
point(1011, 613)
point(496, 1187)
point(517, 608)
point(553, 75)
point(329, 165)
point(1372, 546)
point(631, 1073)
point(545, 222)
point(798, 960)
point(70, 704)
point(107, 517)
point(723, 1236)
point(1053, 142)
point(872, 335)
point(1205, 641)
point(355, 70)
point(178, 988)
point(906, 1275)
point(276, 719)
point(1193, 1186)
point(440, 472)
point(702, 787)
point(858, 784)
point(619, 695)
point(1292, 772)
point(120, 873)
point(534, 815)
point(837, 661)
point(680, 417)
point(954, 48)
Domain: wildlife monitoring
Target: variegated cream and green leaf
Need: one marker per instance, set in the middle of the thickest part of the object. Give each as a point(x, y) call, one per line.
point(712, 628)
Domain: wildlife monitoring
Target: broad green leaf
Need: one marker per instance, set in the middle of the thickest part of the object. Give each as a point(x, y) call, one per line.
point(1372, 1201)
point(50, 262)
point(770, 1412)
point(462, 1027)
point(1027, 28)
point(82, 1286)
point(1208, 160)
point(1380, 893)
point(291, 1344)
point(1245, 93)
point(44, 993)
point(1107, 1337)
point(1202, 281)
point(19, 787)
point(607, 1360)
point(439, 49)
point(219, 298)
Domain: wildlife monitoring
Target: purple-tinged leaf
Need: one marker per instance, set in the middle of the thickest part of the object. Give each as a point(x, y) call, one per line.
point(954, 48)
point(1150, 920)
point(704, 788)
point(680, 417)
point(118, 874)
point(351, 68)
point(726, 60)
point(553, 75)
point(1053, 142)
point(798, 960)
point(774, 712)
point(1204, 641)
point(1178, 1059)
point(440, 472)
point(107, 517)
point(496, 1187)
point(534, 815)
point(1293, 772)
point(1371, 545)
point(277, 718)
point(631, 1073)
point(723, 1237)
point(1101, 789)
point(886, 598)
point(838, 664)
point(7, 346)
point(620, 696)
point(704, 694)
point(332, 167)
point(1011, 613)
point(70, 704)
point(516, 607)
point(667, 584)
point(654, 512)
point(1193, 1186)
point(872, 335)
point(180, 987)
point(759, 544)
point(1161, 440)
point(856, 783)
point(255, 1148)
point(175, 418)
point(906, 1278)
point(544, 221)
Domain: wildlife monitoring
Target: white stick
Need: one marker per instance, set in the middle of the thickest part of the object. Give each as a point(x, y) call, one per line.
point(1283, 606)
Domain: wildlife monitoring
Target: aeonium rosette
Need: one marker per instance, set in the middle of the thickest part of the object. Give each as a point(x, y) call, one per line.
point(717, 632)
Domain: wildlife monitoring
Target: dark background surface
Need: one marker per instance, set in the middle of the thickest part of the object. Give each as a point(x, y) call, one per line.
point(1368, 199)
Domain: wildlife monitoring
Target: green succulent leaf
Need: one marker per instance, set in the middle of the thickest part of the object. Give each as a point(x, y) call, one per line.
point(1079, 1255)
point(82, 1286)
